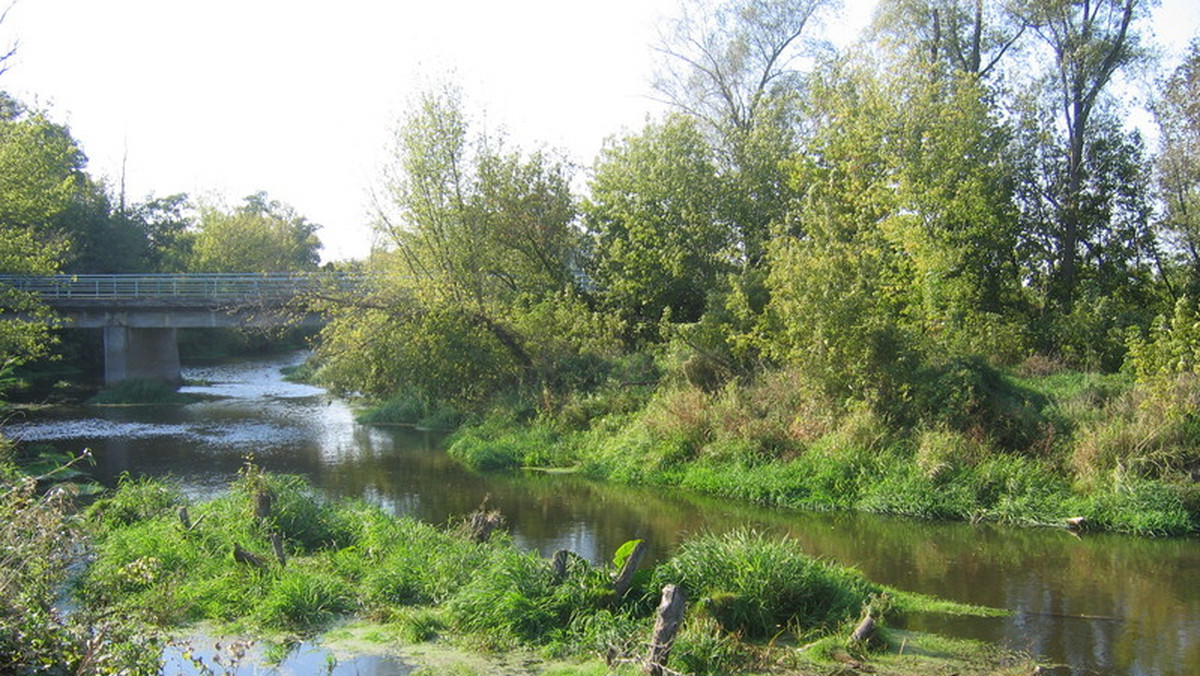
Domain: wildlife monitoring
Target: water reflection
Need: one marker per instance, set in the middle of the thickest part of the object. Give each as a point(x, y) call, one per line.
point(1103, 604)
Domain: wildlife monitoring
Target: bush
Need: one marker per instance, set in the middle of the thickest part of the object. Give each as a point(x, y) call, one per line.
point(969, 396)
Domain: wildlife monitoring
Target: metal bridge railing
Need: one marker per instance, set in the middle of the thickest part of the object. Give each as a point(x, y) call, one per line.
point(192, 286)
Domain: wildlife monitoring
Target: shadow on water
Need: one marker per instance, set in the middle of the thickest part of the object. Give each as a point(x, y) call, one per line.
point(1102, 604)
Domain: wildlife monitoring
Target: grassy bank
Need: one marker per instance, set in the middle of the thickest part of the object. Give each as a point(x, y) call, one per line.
point(752, 599)
point(976, 446)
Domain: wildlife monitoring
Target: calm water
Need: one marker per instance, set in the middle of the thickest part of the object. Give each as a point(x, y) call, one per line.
point(1101, 604)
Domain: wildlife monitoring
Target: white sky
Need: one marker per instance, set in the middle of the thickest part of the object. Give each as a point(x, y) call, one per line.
point(223, 98)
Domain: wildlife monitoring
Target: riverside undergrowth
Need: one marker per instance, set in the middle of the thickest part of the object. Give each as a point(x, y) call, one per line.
point(170, 562)
point(976, 446)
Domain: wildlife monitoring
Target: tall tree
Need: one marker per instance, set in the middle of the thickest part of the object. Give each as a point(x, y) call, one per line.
point(261, 235)
point(169, 227)
point(1089, 41)
point(1178, 114)
point(970, 36)
point(655, 213)
point(41, 178)
point(733, 65)
point(905, 237)
point(6, 54)
point(484, 255)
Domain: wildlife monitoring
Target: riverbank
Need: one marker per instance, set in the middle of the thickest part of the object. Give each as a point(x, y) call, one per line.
point(1075, 450)
point(272, 558)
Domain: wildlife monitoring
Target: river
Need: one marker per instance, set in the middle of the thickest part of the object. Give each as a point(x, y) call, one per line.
point(1101, 604)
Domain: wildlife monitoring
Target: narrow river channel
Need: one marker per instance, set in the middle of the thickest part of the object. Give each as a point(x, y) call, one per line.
point(1100, 604)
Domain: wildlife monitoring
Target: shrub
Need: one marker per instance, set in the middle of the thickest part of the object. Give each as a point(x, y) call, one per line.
point(969, 396)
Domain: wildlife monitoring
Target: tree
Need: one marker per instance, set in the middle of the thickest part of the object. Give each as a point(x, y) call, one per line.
point(1110, 225)
point(169, 227)
point(483, 259)
point(261, 235)
point(902, 246)
point(12, 50)
point(41, 176)
point(1090, 41)
point(733, 67)
point(969, 36)
point(1178, 115)
point(726, 63)
point(655, 214)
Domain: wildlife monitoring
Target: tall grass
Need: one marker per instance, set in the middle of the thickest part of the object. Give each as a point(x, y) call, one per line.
point(762, 586)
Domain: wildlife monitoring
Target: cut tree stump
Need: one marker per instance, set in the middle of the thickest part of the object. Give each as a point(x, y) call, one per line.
point(262, 505)
point(865, 631)
point(482, 524)
point(242, 556)
point(666, 625)
point(277, 545)
point(625, 577)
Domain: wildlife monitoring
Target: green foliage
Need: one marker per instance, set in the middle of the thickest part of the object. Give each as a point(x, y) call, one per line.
point(38, 541)
point(500, 445)
point(655, 215)
point(759, 585)
point(481, 294)
point(141, 391)
point(973, 398)
point(135, 500)
point(261, 235)
point(303, 598)
point(1179, 166)
point(704, 646)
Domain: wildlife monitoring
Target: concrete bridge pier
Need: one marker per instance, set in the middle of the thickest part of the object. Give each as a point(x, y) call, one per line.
point(141, 353)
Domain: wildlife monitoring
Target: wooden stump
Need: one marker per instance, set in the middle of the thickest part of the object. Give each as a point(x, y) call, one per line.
point(242, 556)
point(558, 566)
point(262, 505)
point(865, 630)
point(482, 524)
point(666, 625)
point(277, 545)
point(625, 576)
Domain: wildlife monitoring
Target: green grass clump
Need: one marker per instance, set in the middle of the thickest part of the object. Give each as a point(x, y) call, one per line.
point(136, 499)
point(412, 408)
point(759, 585)
point(499, 445)
point(141, 391)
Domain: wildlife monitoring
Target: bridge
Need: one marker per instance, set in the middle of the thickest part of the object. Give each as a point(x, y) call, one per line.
point(140, 314)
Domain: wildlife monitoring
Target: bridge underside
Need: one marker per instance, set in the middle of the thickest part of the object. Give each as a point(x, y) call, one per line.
point(141, 354)
point(142, 343)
